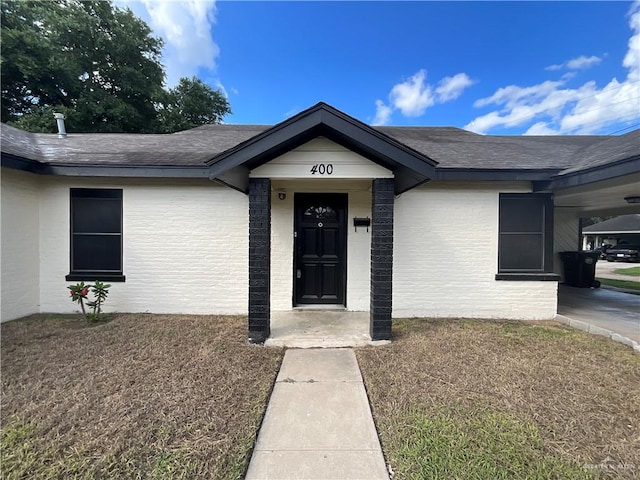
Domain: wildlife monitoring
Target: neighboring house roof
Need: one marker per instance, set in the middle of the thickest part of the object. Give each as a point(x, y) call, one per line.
point(621, 224)
point(451, 152)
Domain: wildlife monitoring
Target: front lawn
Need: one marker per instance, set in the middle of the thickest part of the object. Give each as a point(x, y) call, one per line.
point(625, 284)
point(631, 271)
point(142, 396)
point(466, 399)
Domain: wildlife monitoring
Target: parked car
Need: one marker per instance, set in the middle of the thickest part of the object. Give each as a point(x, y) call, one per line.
point(603, 250)
point(624, 253)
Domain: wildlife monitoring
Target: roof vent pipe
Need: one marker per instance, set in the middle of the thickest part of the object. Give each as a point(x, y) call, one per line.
point(62, 132)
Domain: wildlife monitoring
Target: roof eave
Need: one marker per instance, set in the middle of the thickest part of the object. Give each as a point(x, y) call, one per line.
point(627, 166)
point(93, 170)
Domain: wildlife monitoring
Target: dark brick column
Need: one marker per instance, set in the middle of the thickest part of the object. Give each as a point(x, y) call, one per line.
point(382, 197)
point(259, 259)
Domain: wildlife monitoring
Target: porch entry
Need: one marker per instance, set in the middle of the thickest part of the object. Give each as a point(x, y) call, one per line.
point(320, 241)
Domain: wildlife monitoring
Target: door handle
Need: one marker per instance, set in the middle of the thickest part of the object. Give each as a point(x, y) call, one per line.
point(298, 273)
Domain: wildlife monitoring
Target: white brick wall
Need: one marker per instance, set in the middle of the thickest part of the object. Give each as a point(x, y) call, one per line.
point(446, 256)
point(185, 247)
point(20, 256)
point(281, 249)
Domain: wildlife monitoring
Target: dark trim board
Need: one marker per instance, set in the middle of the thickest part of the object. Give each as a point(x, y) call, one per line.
point(493, 174)
point(628, 166)
point(79, 277)
point(528, 277)
point(119, 171)
point(23, 164)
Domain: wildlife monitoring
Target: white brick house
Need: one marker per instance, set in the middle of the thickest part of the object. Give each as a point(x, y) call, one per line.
point(318, 210)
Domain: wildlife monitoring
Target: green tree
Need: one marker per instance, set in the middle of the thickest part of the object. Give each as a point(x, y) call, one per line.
point(191, 103)
point(97, 64)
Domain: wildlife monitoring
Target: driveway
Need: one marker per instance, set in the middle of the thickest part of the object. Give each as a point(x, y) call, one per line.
point(615, 311)
point(605, 269)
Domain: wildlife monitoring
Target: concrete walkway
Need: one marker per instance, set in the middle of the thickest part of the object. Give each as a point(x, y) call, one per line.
point(606, 309)
point(318, 423)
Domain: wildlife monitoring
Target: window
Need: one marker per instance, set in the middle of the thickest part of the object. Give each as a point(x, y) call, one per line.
point(96, 234)
point(525, 244)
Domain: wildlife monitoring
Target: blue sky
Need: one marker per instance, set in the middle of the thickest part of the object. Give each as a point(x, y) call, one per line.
point(489, 67)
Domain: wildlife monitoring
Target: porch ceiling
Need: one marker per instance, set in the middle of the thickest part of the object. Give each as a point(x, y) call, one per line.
point(605, 197)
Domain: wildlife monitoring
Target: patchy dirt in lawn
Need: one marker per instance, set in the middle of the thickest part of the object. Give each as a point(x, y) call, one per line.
point(580, 393)
point(141, 396)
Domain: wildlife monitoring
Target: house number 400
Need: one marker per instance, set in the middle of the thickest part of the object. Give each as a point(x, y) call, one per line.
point(322, 169)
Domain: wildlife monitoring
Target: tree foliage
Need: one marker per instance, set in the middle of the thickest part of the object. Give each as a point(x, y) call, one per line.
point(97, 64)
point(191, 103)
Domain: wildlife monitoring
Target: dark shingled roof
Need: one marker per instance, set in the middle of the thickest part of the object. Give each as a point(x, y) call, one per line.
point(610, 150)
point(621, 224)
point(456, 148)
point(450, 147)
point(19, 143)
point(188, 148)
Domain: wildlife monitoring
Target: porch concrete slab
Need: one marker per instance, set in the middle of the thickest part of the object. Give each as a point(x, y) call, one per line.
point(307, 328)
point(616, 312)
point(318, 422)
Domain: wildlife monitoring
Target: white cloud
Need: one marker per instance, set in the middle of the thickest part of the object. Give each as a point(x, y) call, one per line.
point(220, 87)
point(185, 26)
point(413, 96)
point(555, 108)
point(383, 113)
point(513, 94)
point(583, 62)
point(540, 128)
point(579, 63)
point(451, 88)
point(632, 58)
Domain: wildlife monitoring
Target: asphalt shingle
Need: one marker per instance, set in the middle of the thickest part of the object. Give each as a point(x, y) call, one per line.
point(451, 147)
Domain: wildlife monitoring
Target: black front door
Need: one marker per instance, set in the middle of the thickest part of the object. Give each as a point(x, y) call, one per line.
point(320, 248)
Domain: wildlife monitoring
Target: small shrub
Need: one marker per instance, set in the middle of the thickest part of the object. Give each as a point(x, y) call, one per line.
point(79, 294)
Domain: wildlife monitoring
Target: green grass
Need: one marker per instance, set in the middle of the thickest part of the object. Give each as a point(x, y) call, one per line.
point(483, 399)
point(628, 284)
point(140, 397)
point(464, 443)
point(632, 271)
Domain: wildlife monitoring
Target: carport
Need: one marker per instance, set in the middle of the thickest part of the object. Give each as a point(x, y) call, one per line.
point(608, 309)
point(606, 182)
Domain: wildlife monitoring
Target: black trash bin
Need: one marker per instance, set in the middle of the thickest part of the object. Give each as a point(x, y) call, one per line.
point(580, 268)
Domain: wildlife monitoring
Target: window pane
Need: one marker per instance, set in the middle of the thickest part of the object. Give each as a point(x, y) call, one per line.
point(96, 215)
point(521, 214)
point(521, 252)
point(97, 252)
point(320, 212)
